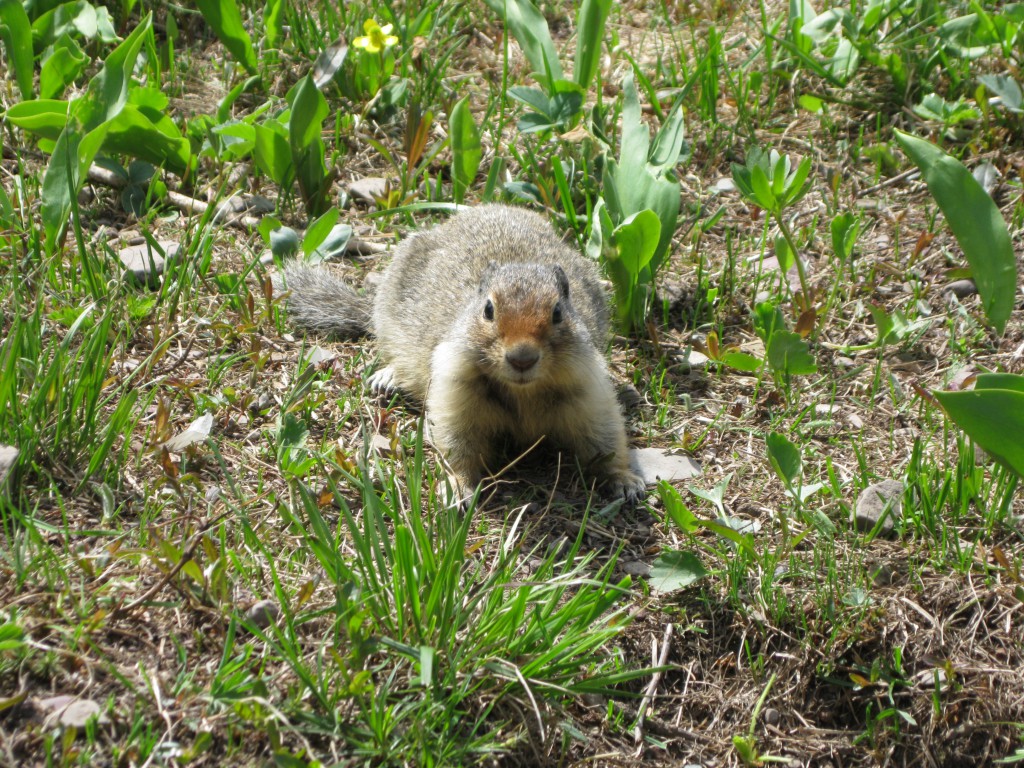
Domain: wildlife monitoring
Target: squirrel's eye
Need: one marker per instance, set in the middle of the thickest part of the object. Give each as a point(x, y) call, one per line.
point(488, 310)
point(556, 314)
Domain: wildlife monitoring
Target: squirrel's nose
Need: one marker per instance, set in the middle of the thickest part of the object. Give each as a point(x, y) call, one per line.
point(522, 357)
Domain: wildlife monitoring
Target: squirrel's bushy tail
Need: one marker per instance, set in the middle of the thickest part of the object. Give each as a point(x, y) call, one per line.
point(324, 303)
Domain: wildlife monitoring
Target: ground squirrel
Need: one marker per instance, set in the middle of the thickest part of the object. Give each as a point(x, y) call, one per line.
point(497, 326)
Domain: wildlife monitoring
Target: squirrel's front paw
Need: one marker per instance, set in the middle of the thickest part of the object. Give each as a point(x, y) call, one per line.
point(382, 381)
point(628, 486)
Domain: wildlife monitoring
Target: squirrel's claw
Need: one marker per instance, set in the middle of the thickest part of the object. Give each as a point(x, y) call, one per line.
point(382, 381)
point(629, 487)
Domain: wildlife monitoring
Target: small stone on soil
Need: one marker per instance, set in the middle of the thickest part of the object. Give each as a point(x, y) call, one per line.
point(881, 502)
point(143, 265)
point(654, 464)
point(263, 614)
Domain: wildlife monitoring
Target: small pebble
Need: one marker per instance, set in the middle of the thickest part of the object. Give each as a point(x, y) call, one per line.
point(879, 503)
point(143, 265)
point(636, 568)
point(264, 613)
point(961, 288)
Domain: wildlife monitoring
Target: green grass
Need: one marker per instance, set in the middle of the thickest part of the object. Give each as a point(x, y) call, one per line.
point(526, 630)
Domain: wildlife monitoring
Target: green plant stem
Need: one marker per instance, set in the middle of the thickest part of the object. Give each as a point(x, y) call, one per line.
point(796, 255)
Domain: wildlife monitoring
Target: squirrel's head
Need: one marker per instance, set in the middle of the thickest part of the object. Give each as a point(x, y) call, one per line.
point(525, 322)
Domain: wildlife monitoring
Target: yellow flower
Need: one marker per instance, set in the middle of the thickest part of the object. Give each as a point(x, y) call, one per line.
point(377, 37)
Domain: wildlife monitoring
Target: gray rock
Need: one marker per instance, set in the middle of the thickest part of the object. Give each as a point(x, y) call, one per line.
point(724, 185)
point(880, 505)
point(636, 568)
point(691, 358)
point(143, 264)
point(68, 711)
point(263, 614)
point(368, 189)
point(654, 464)
point(8, 458)
point(381, 445)
point(961, 288)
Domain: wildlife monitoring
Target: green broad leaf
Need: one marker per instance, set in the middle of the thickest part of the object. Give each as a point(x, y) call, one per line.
point(134, 133)
point(784, 458)
point(318, 231)
point(1007, 89)
point(273, 23)
point(63, 66)
point(309, 109)
point(272, 153)
point(530, 29)
point(634, 184)
point(975, 222)
point(108, 90)
point(292, 452)
point(883, 323)
point(636, 240)
point(268, 224)
point(741, 540)
point(79, 19)
point(845, 61)
point(768, 318)
point(844, 229)
point(427, 656)
point(284, 241)
point(674, 570)
point(992, 418)
point(1010, 381)
point(61, 180)
point(784, 254)
point(668, 143)
point(534, 98)
point(779, 172)
point(716, 495)
point(789, 354)
point(796, 185)
point(333, 246)
point(811, 103)
point(636, 137)
point(225, 18)
point(566, 102)
point(590, 25)
point(762, 189)
point(16, 34)
point(676, 508)
point(235, 139)
point(43, 117)
point(535, 122)
point(89, 119)
point(467, 150)
point(741, 361)
point(11, 637)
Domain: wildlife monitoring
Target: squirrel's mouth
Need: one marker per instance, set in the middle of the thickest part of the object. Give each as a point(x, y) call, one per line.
point(519, 378)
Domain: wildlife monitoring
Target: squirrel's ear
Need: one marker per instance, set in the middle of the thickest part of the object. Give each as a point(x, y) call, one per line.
point(563, 281)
